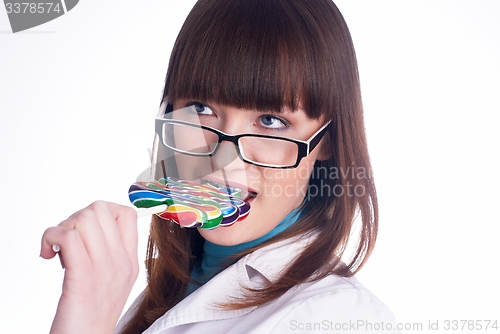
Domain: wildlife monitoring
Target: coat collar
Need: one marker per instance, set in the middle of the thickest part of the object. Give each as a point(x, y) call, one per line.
point(264, 264)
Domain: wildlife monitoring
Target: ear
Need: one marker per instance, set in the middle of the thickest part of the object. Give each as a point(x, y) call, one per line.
point(325, 150)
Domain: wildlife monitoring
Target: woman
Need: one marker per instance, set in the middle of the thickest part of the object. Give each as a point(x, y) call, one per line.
point(283, 74)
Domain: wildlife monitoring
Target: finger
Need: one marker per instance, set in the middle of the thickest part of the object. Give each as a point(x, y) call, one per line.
point(119, 226)
point(86, 223)
point(71, 245)
point(126, 223)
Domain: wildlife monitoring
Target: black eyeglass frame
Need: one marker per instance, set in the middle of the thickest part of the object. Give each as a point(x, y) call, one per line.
point(305, 147)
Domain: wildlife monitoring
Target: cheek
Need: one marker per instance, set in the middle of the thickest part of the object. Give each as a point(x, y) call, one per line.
point(286, 184)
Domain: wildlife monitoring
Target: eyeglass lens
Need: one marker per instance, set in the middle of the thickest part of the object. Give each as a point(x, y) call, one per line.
point(194, 140)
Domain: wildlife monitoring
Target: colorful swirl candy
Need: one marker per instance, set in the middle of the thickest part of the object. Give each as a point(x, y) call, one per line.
point(190, 204)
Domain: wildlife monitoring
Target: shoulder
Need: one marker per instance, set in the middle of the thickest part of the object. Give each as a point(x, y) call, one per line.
point(335, 303)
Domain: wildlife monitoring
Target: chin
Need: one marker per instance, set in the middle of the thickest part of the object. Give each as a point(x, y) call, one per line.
point(228, 235)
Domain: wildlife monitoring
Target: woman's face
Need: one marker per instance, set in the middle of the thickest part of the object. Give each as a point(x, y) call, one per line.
point(272, 193)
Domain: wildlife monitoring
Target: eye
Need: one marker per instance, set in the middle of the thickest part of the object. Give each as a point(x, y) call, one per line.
point(200, 108)
point(272, 122)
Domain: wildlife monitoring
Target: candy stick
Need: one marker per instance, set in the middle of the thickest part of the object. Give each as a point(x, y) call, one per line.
point(151, 210)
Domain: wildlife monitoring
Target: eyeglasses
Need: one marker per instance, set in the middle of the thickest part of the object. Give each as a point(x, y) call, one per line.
point(256, 149)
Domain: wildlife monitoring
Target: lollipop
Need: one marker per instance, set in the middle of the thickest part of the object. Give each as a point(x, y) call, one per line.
point(190, 204)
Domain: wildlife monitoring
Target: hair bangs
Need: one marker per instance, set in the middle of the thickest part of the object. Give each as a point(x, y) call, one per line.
point(254, 54)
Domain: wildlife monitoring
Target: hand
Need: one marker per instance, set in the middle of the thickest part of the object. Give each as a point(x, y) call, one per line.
point(99, 253)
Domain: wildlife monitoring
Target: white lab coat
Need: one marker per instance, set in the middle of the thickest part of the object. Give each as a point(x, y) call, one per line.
point(332, 304)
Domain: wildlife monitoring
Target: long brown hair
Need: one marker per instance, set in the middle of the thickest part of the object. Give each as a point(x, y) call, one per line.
point(265, 55)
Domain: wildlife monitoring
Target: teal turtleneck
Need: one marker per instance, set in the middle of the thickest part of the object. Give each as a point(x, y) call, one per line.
point(215, 256)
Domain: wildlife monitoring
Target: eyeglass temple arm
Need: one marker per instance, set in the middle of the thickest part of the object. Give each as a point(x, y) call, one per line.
point(315, 141)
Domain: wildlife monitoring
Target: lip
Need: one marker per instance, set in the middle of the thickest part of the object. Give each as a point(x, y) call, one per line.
point(250, 192)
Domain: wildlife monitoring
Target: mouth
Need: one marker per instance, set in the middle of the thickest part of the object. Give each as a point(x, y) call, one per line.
point(233, 189)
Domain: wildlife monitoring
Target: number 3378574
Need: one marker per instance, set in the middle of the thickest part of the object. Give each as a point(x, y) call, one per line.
point(32, 8)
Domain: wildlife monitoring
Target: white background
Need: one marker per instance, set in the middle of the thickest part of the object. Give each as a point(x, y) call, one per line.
point(78, 96)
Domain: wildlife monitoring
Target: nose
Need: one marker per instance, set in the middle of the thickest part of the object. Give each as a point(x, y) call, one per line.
point(224, 160)
point(227, 156)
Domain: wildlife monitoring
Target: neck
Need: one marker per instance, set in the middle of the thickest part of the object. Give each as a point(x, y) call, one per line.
point(216, 256)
